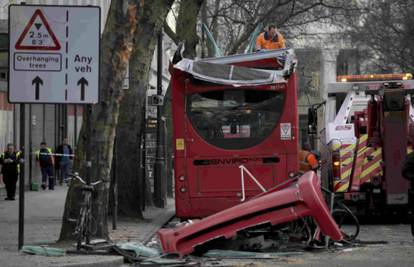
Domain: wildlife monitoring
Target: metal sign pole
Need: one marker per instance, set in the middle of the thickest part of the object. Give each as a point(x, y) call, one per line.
point(89, 145)
point(159, 178)
point(21, 178)
point(114, 187)
point(30, 147)
point(89, 155)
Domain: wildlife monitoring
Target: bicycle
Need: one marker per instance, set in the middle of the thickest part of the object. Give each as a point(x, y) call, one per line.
point(309, 232)
point(84, 222)
point(343, 215)
point(339, 211)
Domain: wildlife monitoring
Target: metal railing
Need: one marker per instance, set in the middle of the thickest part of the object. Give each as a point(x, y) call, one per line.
point(243, 169)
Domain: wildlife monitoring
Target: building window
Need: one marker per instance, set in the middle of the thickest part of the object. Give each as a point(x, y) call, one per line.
point(4, 42)
point(4, 39)
point(3, 59)
point(3, 75)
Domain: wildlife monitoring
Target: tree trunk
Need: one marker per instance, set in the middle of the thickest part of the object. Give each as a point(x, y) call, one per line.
point(130, 127)
point(116, 48)
point(187, 33)
point(187, 25)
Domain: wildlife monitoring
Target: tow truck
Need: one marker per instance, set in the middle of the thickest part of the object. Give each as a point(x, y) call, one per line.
point(367, 138)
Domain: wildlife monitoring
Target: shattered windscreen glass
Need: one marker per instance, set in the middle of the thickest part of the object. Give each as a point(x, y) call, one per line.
point(229, 73)
point(236, 118)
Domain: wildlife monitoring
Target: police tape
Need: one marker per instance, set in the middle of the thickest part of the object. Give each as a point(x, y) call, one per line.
point(54, 154)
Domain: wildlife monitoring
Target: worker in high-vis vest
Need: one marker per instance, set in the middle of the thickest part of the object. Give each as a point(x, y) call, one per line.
point(10, 161)
point(307, 160)
point(270, 39)
point(44, 157)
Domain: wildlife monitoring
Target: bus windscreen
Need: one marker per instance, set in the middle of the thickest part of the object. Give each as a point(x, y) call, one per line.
point(235, 119)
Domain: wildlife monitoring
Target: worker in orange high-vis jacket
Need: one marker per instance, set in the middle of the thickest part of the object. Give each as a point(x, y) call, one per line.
point(307, 160)
point(270, 39)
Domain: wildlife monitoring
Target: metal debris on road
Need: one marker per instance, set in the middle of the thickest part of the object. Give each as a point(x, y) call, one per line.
point(44, 250)
point(170, 260)
point(139, 249)
point(234, 254)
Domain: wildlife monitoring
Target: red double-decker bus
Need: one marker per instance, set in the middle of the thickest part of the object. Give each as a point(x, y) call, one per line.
point(235, 129)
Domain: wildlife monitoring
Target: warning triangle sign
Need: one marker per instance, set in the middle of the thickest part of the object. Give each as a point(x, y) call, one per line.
point(37, 35)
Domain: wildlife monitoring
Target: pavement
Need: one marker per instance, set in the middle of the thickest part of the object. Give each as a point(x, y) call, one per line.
point(43, 215)
point(2, 191)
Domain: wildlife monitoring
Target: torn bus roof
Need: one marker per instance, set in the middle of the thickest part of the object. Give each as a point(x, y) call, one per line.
point(279, 58)
point(302, 198)
point(252, 69)
point(229, 74)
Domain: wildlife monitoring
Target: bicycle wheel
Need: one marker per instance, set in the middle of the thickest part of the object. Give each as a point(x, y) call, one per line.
point(300, 231)
point(347, 222)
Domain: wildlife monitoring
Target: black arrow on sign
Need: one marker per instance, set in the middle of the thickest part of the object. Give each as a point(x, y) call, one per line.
point(37, 82)
point(82, 82)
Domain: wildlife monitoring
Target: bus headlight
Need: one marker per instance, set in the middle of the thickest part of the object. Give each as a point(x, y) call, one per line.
point(181, 178)
point(183, 190)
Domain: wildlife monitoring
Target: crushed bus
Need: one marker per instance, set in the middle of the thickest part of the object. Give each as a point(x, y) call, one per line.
point(235, 129)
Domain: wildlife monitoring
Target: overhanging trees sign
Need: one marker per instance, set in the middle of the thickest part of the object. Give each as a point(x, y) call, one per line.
point(54, 54)
point(37, 35)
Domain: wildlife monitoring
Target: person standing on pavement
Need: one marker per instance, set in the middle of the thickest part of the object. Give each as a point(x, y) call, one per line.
point(10, 161)
point(64, 156)
point(44, 157)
